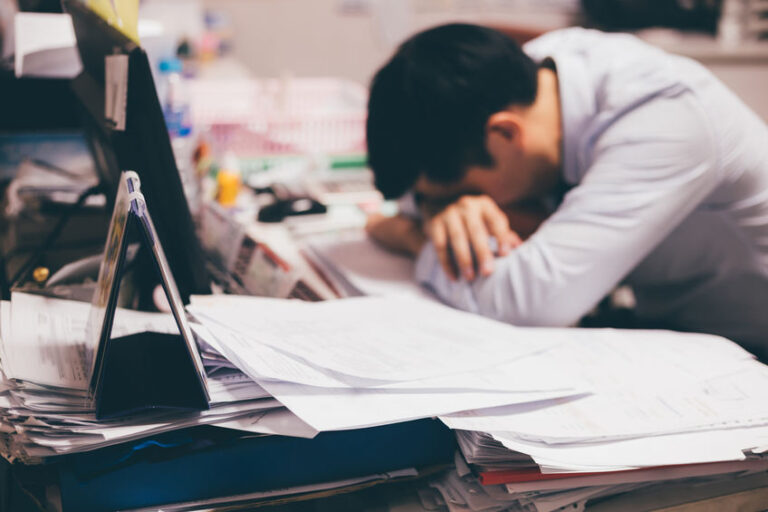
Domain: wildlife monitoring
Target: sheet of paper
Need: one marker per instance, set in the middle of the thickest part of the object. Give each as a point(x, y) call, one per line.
point(517, 375)
point(222, 392)
point(342, 409)
point(46, 340)
point(685, 448)
point(281, 422)
point(377, 338)
point(643, 383)
point(640, 475)
point(73, 439)
point(740, 399)
point(261, 361)
point(330, 403)
point(367, 267)
point(45, 46)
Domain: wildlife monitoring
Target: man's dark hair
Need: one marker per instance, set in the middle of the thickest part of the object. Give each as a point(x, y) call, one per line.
point(429, 104)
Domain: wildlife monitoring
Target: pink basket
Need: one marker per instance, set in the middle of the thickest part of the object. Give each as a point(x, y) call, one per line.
point(276, 117)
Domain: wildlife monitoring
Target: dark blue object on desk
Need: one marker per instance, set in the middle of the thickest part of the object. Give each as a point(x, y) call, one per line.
point(207, 462)
point(282, 208)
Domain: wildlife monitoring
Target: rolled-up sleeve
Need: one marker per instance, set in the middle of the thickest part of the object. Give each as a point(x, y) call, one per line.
point(649, 170)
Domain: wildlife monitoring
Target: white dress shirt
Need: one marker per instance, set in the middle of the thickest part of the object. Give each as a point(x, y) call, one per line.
point(669, 171)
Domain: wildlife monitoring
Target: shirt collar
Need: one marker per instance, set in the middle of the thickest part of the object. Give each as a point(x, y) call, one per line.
point(577, 109)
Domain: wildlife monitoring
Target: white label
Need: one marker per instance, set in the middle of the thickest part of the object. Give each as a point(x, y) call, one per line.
point(116, 90)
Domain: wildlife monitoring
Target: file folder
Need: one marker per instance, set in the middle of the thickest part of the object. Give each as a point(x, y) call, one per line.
point(207, 462)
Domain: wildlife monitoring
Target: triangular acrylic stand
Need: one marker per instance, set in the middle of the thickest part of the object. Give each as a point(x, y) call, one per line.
point(147, 370)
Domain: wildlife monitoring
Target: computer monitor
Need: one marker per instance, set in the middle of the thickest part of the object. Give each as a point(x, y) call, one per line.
point(144, 146)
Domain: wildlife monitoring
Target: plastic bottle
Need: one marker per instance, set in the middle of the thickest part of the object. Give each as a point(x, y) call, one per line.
point(178, 121)
point(228, 181)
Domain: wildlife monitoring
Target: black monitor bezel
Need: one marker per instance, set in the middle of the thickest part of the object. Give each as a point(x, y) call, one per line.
point(144, 146)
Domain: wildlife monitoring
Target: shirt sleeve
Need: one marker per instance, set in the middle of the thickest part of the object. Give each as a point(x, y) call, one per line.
point(650, 169)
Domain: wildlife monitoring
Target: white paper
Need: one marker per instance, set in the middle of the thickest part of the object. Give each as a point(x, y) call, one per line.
point(280, 422)
point(76, 438)
point(45, 46)
point(686, 448)
point(644, 383)
point(640, 476)
point(367, 267)
point(46, 340)
point(517, 375)
point(342, 409)
point(261, 361)
point(381, 338)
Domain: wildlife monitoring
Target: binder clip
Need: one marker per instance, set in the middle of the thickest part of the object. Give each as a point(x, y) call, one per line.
point(147, 370)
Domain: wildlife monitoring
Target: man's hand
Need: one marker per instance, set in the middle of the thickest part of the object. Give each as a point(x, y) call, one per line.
point(399, 233)
point(463, 228)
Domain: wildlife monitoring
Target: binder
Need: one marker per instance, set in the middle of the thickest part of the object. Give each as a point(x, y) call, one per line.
point(208, 462)
point(146, 370)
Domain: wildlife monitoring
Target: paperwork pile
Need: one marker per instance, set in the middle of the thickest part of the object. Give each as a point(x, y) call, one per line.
point(43, 400)
point(544, 417)
point(588, 412)
point(369, 361)
point(665, 407)
point(336, 365)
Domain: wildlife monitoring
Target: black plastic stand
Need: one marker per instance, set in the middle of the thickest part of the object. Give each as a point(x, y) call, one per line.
point(147, 371)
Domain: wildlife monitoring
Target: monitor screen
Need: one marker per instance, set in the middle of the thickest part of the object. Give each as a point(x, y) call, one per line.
point(143, 145)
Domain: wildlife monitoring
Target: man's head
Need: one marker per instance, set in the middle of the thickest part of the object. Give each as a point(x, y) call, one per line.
point(452, 112)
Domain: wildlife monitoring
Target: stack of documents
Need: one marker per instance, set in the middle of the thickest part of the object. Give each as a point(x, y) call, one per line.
point(357, 266)
point(663, 407)
point(461, 490)
point(371, 361)
point(545, 418)
point(273, 366)
point(44, 410)
point(586, 413)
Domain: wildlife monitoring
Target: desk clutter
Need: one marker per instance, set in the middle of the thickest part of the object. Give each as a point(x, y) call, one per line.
point(543, 418)
point(487, 416)
point(366, 380)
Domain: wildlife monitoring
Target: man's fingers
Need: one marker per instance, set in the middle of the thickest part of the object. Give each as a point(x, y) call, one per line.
point(478, 236)
point(498, 227)
point(439, 236)
point(461, 233)
point(459, 242)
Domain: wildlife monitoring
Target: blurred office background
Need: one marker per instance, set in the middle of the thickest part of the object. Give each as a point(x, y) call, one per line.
point(280, 85)
point(351, 38)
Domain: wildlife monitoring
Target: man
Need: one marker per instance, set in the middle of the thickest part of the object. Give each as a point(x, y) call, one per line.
point(655, 175)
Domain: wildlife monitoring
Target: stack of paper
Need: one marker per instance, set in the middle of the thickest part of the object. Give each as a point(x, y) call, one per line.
point(461, 489)
point(371, 361)
point(587, 413)
point(544, 417)
point(335, 365)
point(664, 406)
point(44, 409)
point(357, 266)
